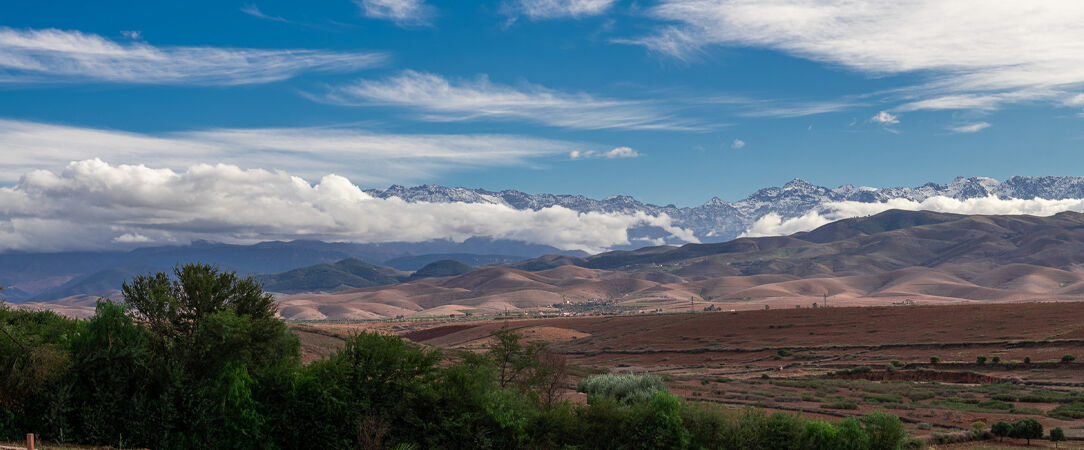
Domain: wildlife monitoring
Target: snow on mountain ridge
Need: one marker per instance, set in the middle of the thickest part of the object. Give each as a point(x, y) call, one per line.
point(717, 220)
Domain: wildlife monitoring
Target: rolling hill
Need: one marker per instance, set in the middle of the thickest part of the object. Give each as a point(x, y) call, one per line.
point(899, 257)
point(892, 257)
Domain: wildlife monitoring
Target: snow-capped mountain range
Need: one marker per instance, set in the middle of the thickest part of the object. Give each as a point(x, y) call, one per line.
point(717, 220)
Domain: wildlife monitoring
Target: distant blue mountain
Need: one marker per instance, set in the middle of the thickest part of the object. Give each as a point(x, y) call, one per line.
point(49, 276)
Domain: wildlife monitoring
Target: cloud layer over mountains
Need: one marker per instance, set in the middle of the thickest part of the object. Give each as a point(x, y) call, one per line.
point(92, 204)
point(773, 224)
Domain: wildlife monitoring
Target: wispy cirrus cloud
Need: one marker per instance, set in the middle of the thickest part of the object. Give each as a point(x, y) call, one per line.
point(402, 12)
point(556, 9)
point(616, 153)
point(970, 127)
point(362, 155)
point(972, 54)
point(781, 108)
point(254, 11)
point(94, 204)
point(444, 100)
point(59, 56)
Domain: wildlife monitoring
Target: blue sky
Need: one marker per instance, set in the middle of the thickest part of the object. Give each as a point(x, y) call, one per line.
point(671, 101)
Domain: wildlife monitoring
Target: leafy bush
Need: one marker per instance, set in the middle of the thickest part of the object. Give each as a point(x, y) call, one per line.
point(841, 404)
point(1068, 359)
point(1068, 411)
point(625, 389)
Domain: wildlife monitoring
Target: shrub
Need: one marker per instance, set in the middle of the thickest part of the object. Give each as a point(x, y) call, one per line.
point(935, 359)
point(625, 389)
point(980, 360)
point(1068, 411)
point(896, 363)
point(885, 431)
point(977, 431)
point(920, 394)
point(997, 360)
point(841, 404)
point(1027, 360)
point(1068, 359)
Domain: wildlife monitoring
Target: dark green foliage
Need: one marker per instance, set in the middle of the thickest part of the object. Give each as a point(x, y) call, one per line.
point(885, 431)
point(1001, 429)
point(1026, 429)
point(1057, 435)
point(32, 352)
point(1068, 411)
point(935, 359)
point(980, 360)
point(1068, 359)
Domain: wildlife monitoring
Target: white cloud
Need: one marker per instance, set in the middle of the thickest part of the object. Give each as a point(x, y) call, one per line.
point(402, 12)
point(445, 100)
point(737, 144)
point(254, 11)
point(618, 152)
point(310, 152)
point(970, 128)
point(621, 152)
point(1076, 100)
point(57, 56)
point(884, 118)
point(774, 225)
point(553, 9)
point(132, 34)
point(1000, 50)
point(92, 204)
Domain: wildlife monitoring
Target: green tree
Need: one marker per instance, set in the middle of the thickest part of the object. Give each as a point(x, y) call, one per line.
point(532, 368)
point(1068, 359)
point(885, 431)
point(1001, 429)
point(1057, 435)
point(1026, 429)
point(819, 435)
point(212, 332)
point(981, 360)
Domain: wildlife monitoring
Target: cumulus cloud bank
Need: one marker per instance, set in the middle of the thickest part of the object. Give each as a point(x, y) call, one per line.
point(775, 225)
point(92, 204)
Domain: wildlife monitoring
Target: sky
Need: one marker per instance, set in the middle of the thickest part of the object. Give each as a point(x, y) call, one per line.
point(669, 101)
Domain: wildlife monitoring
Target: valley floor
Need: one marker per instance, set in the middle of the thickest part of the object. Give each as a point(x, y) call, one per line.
point(825, 362)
